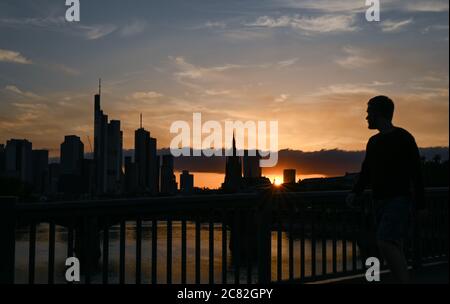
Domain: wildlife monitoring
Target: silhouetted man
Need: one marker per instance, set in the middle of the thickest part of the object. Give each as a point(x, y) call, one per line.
point(392, 168)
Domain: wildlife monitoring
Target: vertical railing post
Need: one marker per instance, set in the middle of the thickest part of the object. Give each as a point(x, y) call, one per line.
point(7, 239)
point(264, 222)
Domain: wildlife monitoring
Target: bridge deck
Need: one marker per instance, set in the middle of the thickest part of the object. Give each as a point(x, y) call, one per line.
point(434, 273)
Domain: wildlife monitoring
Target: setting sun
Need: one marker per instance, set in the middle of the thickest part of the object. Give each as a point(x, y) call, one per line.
point(277, 181)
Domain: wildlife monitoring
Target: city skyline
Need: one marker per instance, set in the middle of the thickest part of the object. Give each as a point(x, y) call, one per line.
point(277, 60)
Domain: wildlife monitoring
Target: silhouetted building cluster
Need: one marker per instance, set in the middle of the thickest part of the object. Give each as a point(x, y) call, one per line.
point(289, 176)
point(233, 172)
point(345, 182)
point(76, 176)
point(147, 162)
point(249, 165)
point(107, 152)
point(24, 170)
point(186, 182)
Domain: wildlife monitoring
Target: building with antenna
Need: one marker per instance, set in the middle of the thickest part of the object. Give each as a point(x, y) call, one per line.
point(108, 141)
point(233, 172)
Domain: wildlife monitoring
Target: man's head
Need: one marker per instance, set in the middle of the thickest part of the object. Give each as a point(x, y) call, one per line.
point(380, 110)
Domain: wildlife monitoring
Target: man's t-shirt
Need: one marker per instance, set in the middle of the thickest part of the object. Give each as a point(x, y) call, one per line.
point(392, 167)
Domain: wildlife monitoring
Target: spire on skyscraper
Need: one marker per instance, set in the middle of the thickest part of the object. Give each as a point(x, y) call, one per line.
point(234, 145)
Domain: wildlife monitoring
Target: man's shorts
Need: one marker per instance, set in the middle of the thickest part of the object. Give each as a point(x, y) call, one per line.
point(393, 216)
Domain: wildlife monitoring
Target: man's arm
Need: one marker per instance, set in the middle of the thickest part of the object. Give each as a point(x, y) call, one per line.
point(416, 176)
point(362, 181)
point(364, 176)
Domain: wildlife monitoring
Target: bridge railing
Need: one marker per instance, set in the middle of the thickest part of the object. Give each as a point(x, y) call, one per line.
point(237, 238)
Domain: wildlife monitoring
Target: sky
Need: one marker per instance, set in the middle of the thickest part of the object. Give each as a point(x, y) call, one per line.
point(311, 65)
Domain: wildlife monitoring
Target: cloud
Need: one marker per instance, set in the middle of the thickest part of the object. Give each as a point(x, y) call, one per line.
point(426, 92)
point(330, 162)
point(191, 71)
point(394, 26)
point(436, 27)
point(30, 106)
point(94, 32)
point(427, 6)
point(238, 35)
point(329, 6)
point(133, 28)
point(63, 68)
point(351, 88)
point(48, 22)
point(333, 6)
point(216, 24)
point(17, 91)
point(320, 24)
point(286, 63)
point(13, 57)
point(217, 92)
point(281, 98)
point(146, 95)
point(59, 24)
point(355, 58)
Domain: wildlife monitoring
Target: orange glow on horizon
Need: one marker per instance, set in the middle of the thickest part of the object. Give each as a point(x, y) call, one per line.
point(278, 181)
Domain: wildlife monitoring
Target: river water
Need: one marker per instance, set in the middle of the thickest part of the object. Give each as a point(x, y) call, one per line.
point(22, 237)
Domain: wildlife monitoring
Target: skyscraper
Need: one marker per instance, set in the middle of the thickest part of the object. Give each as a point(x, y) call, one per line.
point(108, 141)
point(2, 160)
point(18, 160)
point(186, 182)
point(146, 160)
point(54, 175)
point(233, 172)
point(252, 170)
point(72, 155)
point(168, 181)
point(100, 145)
point(131, 177)
point(114, 158)
point(289, 176)
point(40, 171)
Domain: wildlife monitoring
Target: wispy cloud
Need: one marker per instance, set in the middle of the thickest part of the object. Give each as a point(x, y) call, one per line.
point(133, 28)
point(63, 68)
point(333, 6)
point(355, 58)
point(30, 106)
point(215, 24)
point(288, 62)
point(436, 27)
point(94, 32)
point(47, 22)
point(351, 88)
point(59, 24)
point(394, 26)
point(330, 6)
point(212, 92)
point(281, 98)
point(13, 57)
point(191, 71)
point(239, 35)
point(427, 6)
point(19, 92)
point(146, 95)
point(307, 24)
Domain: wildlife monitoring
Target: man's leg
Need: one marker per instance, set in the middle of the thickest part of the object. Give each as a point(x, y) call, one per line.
point(392, 230)
point(392, 252)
